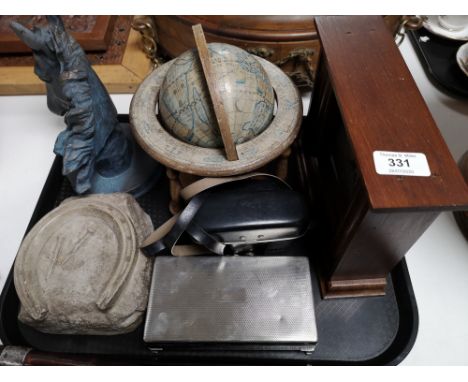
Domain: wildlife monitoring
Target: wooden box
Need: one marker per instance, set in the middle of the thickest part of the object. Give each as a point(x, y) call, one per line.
point(93, 33)
point(291, 42)
point(121, 66)
point(288, 41)
point(365, 100)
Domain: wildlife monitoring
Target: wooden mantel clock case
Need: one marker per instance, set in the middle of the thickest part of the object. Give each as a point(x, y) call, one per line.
point(366, 101)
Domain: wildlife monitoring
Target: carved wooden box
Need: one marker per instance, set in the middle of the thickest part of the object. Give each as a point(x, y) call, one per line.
point(288, 41)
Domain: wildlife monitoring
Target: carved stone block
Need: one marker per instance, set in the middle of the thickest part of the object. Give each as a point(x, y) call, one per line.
point(80, 270)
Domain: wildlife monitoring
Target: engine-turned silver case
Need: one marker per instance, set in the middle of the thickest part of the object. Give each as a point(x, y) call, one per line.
point(231, 302)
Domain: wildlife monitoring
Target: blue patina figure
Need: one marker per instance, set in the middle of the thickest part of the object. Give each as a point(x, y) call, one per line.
point(99, 153)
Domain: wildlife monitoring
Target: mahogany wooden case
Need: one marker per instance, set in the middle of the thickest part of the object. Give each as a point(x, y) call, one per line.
point(366, 100)
point(95, 37)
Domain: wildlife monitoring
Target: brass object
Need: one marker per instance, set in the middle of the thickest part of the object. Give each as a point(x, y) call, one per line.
point(407, 23)
point(145, 26)
point(302, 73)
point(299, 65)
point(304, 55)
point(262, 51)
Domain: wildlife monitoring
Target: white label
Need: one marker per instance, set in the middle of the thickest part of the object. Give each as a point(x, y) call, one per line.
point(402, 164)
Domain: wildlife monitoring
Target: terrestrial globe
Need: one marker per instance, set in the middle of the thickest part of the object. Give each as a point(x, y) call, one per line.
point(245, 90)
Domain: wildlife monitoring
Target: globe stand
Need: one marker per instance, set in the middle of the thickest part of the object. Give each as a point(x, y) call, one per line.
point(185, 161)
point(179, 180)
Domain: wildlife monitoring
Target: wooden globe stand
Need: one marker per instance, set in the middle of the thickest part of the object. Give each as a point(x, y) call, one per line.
point(186, 162)
point(178, 180)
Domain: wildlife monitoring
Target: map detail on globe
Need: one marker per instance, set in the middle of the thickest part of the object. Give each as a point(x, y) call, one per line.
point(247, 95)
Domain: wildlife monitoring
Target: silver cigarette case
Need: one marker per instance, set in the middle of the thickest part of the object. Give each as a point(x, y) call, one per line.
point(231, 302)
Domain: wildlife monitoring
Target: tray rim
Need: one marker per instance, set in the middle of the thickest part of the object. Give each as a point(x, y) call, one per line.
point(427, 67)
point(400, 347)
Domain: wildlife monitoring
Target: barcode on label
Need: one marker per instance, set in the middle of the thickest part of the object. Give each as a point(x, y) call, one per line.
point(401, 163)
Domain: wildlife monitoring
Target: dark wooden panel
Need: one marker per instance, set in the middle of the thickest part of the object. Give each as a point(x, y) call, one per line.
point(115, 36)
point(372, 243)
point(382, 109)
point(288, 41)
point(275, 28)
point(93, 37)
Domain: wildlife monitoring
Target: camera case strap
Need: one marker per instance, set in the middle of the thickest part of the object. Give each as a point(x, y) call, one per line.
point(222, 213)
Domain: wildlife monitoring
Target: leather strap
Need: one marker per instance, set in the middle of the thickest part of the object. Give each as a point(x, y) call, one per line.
point(165, 238)
point(179, 226)
point(206, 183)
point(200, 236)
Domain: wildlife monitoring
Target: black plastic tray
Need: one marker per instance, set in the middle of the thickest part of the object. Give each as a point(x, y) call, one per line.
point(438, 57)
point(355, 331)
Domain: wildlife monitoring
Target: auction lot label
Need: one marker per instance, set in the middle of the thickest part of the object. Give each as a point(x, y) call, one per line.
point(401, 163)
